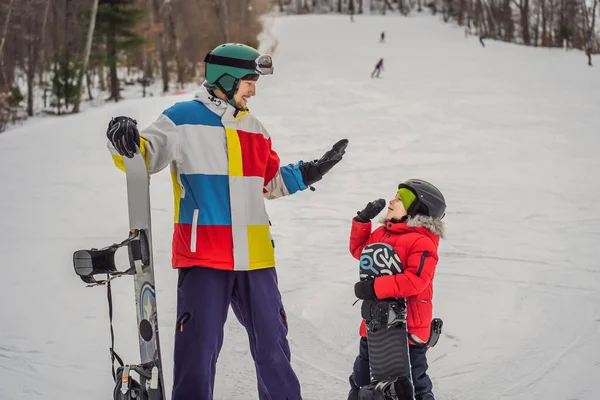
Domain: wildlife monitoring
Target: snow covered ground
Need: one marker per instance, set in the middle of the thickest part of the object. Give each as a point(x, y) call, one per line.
point(509, 133)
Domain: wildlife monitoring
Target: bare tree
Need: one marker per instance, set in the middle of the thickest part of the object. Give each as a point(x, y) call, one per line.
point(175, 44)
point(86, 56)
point(160, 44)
point(3, 39)
point(43, 42)
point(32, 37)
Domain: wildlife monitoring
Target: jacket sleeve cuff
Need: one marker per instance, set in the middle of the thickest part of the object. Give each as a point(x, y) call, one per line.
point(292, 178)
point(361, 226)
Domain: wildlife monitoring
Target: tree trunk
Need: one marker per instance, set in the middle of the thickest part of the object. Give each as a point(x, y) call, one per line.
point(111, 49)
point(31, 68)
point(589, 25)
point(89, 85)
point(5, 32)
point(544, 10)
point(67, 59)
point(32, 43)
point(225, 6)
point(525, 22)
point(3, 40)
point(462, 8)
point(42, 61)
point(55, 61)
point(86, 55)
point(160, 44)
point(102, 78)
point(176, 45)
point(509, 26)
point(536, 29)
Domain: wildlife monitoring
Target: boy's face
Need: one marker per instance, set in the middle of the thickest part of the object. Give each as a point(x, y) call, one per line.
point(396, 209)
point(246, 90)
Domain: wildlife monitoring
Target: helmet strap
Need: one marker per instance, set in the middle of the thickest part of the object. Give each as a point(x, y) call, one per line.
point(230, 93)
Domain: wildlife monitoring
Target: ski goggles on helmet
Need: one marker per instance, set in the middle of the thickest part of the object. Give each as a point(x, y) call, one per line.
point(262, 65)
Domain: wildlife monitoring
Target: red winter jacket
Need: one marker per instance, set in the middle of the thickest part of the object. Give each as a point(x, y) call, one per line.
point(416, 242)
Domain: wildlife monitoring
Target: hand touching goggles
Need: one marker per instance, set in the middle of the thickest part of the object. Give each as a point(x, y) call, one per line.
point(262, 65)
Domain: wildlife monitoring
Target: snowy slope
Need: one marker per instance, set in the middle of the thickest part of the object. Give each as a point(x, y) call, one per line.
point(510, 135)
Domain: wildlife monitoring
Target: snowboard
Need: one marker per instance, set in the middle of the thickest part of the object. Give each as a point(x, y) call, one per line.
point(89, 263)
point(387, 334)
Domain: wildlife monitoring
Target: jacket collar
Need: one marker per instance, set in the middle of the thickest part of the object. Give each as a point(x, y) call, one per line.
point(212, 102)
point(228, 113)
point(434, 228)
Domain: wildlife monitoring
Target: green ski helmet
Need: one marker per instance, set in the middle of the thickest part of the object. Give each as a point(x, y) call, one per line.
point(227, 64)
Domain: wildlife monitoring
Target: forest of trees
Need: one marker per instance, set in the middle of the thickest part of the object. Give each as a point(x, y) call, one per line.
point(549, 23)
point(62, 52)
point(58, 51)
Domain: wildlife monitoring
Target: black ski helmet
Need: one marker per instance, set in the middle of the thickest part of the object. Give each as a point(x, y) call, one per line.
point(429, 200)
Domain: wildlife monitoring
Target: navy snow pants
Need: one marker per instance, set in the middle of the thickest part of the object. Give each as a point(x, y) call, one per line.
point(203, 299)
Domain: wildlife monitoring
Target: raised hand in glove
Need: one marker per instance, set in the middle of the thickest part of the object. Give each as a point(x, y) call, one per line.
point(370, 211)
point(313, 171)
point(124, 135)
point(365, 290)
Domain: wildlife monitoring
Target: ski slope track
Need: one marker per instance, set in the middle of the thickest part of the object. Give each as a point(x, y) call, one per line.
point(509, 134)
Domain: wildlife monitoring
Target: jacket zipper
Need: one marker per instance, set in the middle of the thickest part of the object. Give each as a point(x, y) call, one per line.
point(423, 257)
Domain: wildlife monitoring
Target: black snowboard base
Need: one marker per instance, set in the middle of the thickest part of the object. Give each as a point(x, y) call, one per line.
point(387, 334)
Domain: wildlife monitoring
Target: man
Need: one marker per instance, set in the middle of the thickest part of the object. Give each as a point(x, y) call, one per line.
point(222, 166)
point(588, 52)
point(378, 68)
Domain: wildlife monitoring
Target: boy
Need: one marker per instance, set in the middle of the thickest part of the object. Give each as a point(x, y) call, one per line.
point(413, 227)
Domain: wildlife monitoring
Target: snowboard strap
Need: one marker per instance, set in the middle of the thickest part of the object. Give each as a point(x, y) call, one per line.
point(434, 334)
point(113, 355)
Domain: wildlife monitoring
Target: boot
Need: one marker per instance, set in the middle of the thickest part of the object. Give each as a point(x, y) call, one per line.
point(424, 396)
point(353, 394)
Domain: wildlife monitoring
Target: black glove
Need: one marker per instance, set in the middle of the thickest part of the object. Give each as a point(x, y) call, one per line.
point(313, 171)
point(124, 135)
point(365, 290)
point(370, 211)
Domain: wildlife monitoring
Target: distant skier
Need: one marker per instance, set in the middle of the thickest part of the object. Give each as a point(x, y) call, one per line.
point(378, 69)
point(466, 32)
point(413, 227)
point(588, 52)
point(382, 38)
point(481, 37)
point(223, 166)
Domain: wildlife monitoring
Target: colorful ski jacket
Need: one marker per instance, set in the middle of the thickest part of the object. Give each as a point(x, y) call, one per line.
point(222, 167)
point(416, 242)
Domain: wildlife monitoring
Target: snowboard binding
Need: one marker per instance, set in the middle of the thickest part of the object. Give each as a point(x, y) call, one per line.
point(127, 388)
point(88, 263)
point(387, 313)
